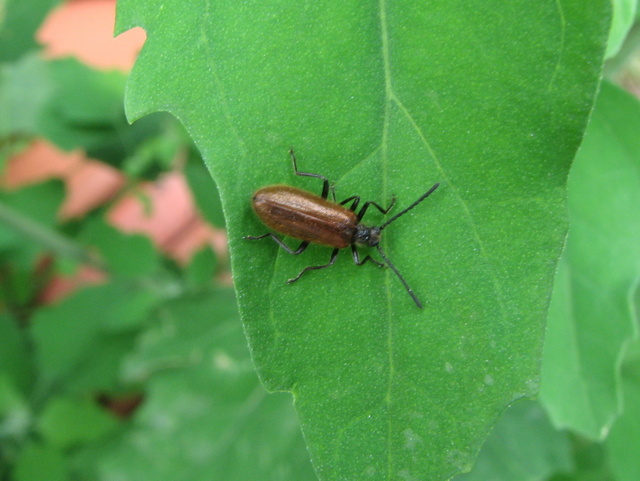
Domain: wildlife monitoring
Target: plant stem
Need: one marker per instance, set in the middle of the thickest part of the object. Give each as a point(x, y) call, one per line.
point(48, 238)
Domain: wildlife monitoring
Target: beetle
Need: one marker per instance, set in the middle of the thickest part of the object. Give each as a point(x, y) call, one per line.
point(316, 219)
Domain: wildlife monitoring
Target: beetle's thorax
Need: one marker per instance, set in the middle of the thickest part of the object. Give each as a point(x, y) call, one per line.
point(367, 236)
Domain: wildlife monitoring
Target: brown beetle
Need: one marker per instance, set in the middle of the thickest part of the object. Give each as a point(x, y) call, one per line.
point(297, 213)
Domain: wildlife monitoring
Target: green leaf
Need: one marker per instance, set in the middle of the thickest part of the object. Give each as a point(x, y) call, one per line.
point(623, 442)
point(202, 268)
point(27, 218)
point(624, 14)
point(15, 415)
point(205, 416)
point(85, 111)
point(589, 320)
point(523, 446)
point(25, 86)
point(81, 341)
point(490, 99)
point(15, 361)
point(69, 422)
point(205, 191)
point(41, 461)
point(126, 255)
point(19, 22)
point(156, 141)
point(86, 100)
point(39, 202)
point(591, 463)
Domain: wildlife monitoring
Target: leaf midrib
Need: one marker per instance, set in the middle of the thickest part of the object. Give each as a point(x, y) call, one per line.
point(391, 97)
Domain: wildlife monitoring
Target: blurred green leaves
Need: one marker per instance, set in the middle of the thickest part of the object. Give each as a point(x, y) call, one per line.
point(523, 446)
point(624, 440)
point(167, 336)
point(19, 22)
point(204, 404)
point(25, 86)
point(624, 16)
point(72, 422)
point(85, 111)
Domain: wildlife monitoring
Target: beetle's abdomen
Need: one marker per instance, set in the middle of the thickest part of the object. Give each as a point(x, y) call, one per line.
point(300, 214)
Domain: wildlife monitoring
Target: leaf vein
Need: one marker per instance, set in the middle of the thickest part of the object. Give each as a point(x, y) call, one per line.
point(468, 216)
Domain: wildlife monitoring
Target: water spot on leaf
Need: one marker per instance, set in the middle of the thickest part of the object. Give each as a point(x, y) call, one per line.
point(411, 438)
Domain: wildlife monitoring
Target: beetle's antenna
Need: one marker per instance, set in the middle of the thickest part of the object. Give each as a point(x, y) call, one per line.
point(423, 197)
point(393, 268)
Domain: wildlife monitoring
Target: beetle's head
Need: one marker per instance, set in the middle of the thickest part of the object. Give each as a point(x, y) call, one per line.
point(366, 236)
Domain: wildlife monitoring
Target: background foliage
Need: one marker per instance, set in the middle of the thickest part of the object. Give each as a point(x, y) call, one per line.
point(168, 341)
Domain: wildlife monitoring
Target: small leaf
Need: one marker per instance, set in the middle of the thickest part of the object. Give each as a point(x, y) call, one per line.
point(126, 255)
point(15, 412)
point(39, 202)
point(15, 361)
point(205, 191)
point(85, 111)
point(156, 146)
point(69, 422)
point(25, 86)
point(624, 14)
point(81, 341)
point(27, 218)
point(86, 102)
point(202, 268)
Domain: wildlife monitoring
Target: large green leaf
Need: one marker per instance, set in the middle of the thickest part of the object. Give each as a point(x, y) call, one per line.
point(489, 98)
point(589, 320)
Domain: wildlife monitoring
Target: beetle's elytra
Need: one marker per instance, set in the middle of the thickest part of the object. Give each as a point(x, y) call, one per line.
point(305, 216)
point(315, 219)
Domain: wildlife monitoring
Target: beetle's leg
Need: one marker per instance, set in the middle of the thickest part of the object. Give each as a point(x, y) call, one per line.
point(281, 243)
point(377, 206)
point(354, 204)
point(334, 254)
point(326, 187)
point(356, 258)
